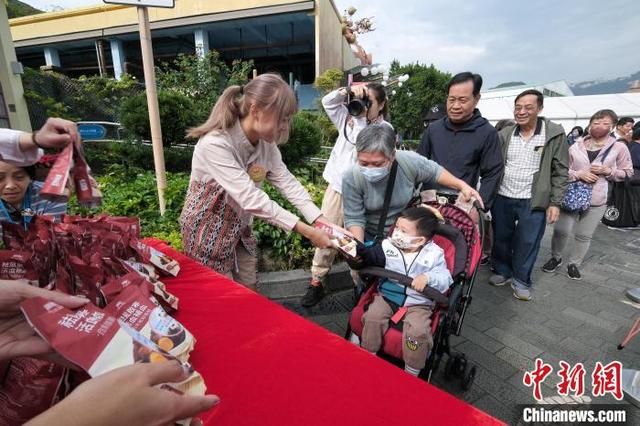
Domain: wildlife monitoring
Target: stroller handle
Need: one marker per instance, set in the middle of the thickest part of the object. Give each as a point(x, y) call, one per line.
point(430, 292)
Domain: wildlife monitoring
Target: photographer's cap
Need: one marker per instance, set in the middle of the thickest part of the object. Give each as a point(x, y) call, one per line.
point(434, 113)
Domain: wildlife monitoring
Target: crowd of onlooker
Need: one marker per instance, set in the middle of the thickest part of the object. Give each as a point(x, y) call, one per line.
point(528, 172)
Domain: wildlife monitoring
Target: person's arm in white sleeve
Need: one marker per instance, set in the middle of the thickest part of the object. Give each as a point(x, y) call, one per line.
point(17, 148)
point(24, 149)
point(333, 104)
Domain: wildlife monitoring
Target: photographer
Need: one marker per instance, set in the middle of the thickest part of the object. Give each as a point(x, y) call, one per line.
point(351, 110)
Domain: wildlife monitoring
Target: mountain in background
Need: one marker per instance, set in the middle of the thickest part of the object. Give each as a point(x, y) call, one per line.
point(600, 87)
point(509, 84)
point(16, 9)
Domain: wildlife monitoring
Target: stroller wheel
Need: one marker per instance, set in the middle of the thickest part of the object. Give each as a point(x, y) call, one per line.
point(456, 366)
point(467, 379)
point(449, 368)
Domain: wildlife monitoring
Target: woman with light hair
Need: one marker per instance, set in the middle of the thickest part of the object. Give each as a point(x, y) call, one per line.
point(237, 151)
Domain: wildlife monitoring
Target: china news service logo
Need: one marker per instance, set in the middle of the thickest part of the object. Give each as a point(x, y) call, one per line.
point(605, 379)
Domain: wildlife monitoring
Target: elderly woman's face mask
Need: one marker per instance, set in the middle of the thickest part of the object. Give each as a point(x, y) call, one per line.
point(374, 165)
point(374, 174)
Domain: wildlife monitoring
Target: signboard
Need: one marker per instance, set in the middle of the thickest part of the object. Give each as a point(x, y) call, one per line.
point(148, 3)
point(89, 132)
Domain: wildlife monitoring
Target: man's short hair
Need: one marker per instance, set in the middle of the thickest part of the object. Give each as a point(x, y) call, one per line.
point(636, 134)
point(624, 120)
point(463, 77)
point(534, 92)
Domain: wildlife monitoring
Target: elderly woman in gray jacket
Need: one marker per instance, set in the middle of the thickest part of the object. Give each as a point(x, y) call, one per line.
point(364, 186)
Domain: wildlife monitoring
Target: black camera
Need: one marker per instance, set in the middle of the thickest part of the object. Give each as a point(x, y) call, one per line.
point(355, 106)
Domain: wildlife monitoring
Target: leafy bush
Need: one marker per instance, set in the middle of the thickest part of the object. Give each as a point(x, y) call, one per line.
point(177, 114)
point(202, 79)
point(329, 80)
point(46, 106)
point(98, 98)
point(305, 140)
point(16, 9)
point(100, 155)
point(281, 250)
point(329, 131)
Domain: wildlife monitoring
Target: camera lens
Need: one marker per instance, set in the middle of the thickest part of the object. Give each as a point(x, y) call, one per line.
point(355, 107)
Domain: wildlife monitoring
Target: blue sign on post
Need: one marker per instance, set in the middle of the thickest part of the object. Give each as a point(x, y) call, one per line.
point(90, 132)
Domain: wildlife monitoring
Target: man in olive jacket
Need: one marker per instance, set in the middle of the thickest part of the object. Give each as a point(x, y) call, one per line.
point(536, 162)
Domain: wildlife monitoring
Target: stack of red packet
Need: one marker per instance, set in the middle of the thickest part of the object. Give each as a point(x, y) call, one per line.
point(100, 258)
point(71, 169)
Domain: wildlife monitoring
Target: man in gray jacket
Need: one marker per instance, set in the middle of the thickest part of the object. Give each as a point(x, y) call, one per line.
point(532, 188)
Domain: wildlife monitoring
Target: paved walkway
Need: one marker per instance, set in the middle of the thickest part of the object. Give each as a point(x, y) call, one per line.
point(576, 321)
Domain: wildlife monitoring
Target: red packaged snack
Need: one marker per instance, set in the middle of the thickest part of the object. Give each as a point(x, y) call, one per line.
point(94, 340)
point(87, 279)
point(16, 265)
point(134, 307)
point(28, 387)
point(13, 235)
point(58, 176)
point(86, 187)
point(64, 283)
point(155, 257)
point(116, 285)
point(113, 268)
point(127, 225)
point(143, 269)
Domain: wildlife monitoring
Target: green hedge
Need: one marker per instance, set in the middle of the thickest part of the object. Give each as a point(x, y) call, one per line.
point(305, 141)
point(177, 114)
point(101, 155)
point(281, 250)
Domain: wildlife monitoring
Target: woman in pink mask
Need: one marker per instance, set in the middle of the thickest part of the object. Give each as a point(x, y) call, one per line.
point(595, 159)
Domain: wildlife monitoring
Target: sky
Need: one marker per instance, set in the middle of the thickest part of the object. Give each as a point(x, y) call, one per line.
point(534, 41)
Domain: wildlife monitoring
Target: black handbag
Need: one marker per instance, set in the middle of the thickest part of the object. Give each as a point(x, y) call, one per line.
point(623, 207)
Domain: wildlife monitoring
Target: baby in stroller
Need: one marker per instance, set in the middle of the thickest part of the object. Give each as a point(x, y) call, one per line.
point(409, 251)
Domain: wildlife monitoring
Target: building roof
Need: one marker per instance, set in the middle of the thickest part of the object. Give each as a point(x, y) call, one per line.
point(109, 20)
point(553, 88)
point(568, 111)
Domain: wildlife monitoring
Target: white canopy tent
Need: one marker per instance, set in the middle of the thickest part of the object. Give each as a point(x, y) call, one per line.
point(568, 111)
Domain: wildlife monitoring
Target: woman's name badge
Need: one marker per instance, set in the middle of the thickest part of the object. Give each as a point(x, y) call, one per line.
point(257, 173)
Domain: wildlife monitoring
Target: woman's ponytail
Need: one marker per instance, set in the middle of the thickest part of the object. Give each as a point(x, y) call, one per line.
point(228, 109)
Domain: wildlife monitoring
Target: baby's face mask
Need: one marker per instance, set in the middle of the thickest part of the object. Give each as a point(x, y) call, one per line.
point(406, 242)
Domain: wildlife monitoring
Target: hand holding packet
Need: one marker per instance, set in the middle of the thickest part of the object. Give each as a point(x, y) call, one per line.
point(97, 341)
point(341, 239)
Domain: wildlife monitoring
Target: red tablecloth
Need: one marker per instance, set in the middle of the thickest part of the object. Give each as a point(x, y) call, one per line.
point(273, 367)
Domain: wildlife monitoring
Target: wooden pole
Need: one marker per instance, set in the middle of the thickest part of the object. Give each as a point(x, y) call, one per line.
point(152, 101)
